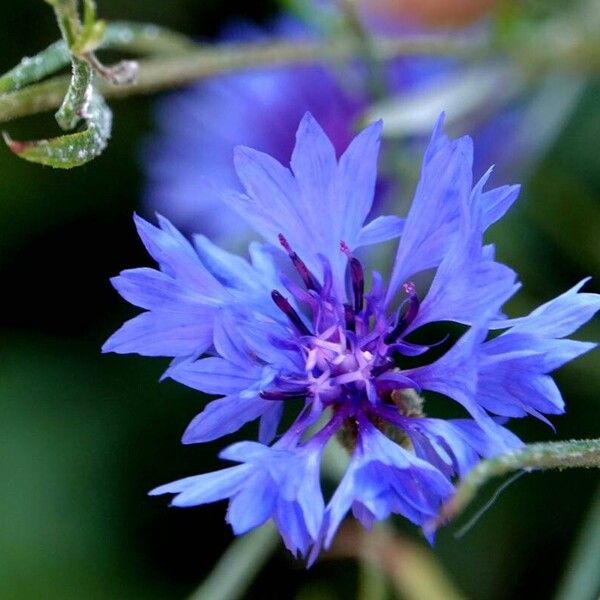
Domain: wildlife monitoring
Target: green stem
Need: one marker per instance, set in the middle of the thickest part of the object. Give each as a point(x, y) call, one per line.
point(552, 455)
point(238, 566)
point(411, 568)
point(376, 79)
point(145, 38)
point(582, 576)
point(190, 62)
point(134, 38)
point(372, 584)
point(165, 72)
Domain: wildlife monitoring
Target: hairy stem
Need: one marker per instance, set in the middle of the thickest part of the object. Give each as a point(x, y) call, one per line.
point(552, 455)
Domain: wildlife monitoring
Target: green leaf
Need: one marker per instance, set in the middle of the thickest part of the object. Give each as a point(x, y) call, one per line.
point(92, 31)
point(79, 93)
point(34, 68)
point(81, 101)
point(74, 149)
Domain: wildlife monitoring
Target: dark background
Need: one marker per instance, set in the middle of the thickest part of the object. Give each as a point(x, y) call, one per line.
point(84, 436)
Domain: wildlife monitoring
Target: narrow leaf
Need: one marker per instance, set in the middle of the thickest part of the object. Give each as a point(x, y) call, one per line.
point(32, 69)
point(77, 97)
point(74, 149)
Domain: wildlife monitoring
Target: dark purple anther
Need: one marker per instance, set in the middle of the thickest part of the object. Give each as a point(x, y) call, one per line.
point(408, 311)
point(350, 318)
point(289, 312)
point(357, 275)
point(307, 277)
point(284, 395)
point(382, 368)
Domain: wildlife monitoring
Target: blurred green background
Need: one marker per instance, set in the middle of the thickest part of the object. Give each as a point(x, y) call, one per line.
point(84, 436)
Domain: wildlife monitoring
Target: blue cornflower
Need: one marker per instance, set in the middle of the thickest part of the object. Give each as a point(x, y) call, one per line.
point(301, 325)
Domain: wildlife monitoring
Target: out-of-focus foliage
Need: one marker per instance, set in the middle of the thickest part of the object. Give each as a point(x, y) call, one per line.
point(84, 436)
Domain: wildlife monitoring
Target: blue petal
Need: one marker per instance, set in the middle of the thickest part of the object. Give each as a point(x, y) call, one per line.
point(214, 375)
point(466, 288)
point(224, 416)
point(380, 230)
point(228, 344)
point(455, 375)
point(154, 290)
point(558, 317)
point(513, 377)
point(262, 257)
point(177, 257)
point(310, 497)
point(269, 422)
point(531, 352)
point(314, 165)
point(486, 446)
point(290, 522)
point(385, 478)
point(432, 220)
point(458, 443)
point(339, 505)
point(209, 487)
point(320, 204)
point(495, 202)
point(253, 504)
point(437, 442)
point(161, 334)
point(271, 199)
point(246, 452)
point(356, 177)
point(230, 269)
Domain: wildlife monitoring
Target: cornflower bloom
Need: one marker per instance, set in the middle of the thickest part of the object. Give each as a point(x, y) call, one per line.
point(300, 325)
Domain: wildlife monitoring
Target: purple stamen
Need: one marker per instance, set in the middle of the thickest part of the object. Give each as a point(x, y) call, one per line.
point(289, 312)
point(357, 275)
point(284, 395)
point(307, 277)
point(408, 311)
point(382, 368)
point(350, 318)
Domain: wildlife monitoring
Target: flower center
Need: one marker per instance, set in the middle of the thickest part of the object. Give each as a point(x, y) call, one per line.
point(346, 346)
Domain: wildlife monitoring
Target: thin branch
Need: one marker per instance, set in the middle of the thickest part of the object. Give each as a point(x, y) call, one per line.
point(156, 74)
point(552, 455)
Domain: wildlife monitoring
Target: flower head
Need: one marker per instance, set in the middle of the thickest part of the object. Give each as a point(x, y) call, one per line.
point(304, 325)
